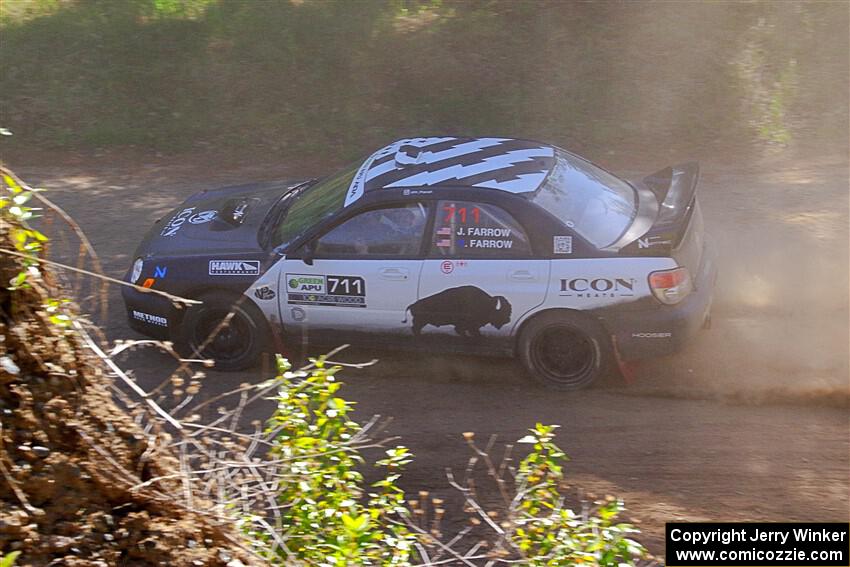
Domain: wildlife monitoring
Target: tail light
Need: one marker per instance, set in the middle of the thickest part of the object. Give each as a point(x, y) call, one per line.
point(671, 286)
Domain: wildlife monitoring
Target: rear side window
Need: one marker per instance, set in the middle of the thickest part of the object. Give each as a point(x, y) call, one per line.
point(464, 229)
point(596, 204)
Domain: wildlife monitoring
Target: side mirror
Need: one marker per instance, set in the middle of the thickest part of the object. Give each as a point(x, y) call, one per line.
point(308, 252)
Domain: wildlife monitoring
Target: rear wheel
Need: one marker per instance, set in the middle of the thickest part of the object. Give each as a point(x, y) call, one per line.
point(565, 351)
point(235, 343)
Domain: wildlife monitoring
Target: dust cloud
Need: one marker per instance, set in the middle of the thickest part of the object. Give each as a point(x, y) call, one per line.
point(780, 318)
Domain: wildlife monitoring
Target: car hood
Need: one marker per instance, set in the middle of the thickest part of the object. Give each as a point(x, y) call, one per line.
point(218, 220)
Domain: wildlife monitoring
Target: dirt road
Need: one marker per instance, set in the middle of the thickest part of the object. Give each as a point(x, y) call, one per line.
point(747, 424)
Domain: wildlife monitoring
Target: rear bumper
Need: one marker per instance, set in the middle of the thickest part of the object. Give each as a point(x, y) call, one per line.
point(664, 329)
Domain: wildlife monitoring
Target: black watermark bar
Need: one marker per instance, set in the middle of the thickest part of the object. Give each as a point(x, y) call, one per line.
point(747, 544)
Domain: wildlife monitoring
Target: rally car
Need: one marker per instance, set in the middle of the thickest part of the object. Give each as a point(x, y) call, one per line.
point(492, 245)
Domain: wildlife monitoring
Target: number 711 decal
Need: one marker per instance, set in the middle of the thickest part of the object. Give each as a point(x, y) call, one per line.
point(346, 285)
point(453, 214)
point(330, 291)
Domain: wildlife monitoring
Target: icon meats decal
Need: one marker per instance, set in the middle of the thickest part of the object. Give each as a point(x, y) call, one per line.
point(467, 308)
point(330, 291)
point(234, 267)
point(597, 287)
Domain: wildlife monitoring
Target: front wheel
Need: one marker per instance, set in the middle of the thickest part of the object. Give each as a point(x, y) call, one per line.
point(565, 351)
point(235, 343)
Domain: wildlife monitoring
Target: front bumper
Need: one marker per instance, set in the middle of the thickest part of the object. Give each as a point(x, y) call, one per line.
point(148, 313)
point(660, 330)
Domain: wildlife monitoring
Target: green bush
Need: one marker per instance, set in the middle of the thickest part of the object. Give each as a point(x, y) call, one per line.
point(8, 559)
point(27, 240)
point(324, 516)
point(547, 533)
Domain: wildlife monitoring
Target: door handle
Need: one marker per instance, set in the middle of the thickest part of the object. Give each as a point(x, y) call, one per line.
point(394, 273)
point(522, 275)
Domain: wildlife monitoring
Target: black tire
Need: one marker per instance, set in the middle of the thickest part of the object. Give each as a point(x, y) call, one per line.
point(236, 346)
point(565, 351)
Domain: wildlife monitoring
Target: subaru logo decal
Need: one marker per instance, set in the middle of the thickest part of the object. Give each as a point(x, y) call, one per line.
point(203, 217)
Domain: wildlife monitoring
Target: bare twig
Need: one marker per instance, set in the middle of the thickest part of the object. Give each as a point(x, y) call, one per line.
point(492, 471)
point(126, 379)
point(473, 504)
point(184, 468)
point(456, 556)
point(173, 298)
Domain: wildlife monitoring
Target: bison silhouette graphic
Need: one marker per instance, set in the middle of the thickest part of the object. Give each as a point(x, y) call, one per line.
point(467, 308)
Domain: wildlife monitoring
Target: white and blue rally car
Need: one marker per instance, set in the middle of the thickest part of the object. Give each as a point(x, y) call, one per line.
point(478, 245)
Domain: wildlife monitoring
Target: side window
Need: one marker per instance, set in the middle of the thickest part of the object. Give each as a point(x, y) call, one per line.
point(471, 230)
point(393, 231)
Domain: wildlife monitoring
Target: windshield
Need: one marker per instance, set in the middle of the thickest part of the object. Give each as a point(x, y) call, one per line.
point(314, 205)
point(596, 204)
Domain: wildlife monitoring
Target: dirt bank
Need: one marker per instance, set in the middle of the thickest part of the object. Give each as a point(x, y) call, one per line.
point(74, 464)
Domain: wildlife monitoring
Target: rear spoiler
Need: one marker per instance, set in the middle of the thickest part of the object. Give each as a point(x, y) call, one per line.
point(674, 187)
point(674, 192)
